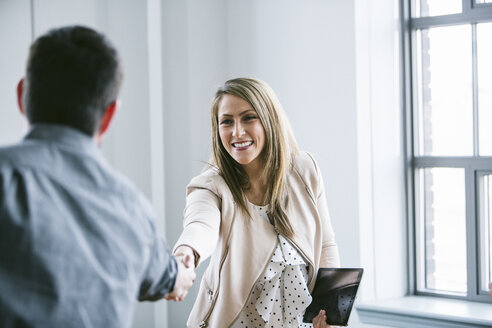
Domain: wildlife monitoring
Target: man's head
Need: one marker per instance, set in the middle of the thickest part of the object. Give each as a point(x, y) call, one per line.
point(73, 78)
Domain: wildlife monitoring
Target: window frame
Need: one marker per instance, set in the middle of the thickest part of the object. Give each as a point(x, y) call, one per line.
point(474, 165)
point(480, 5)
point(480, 268)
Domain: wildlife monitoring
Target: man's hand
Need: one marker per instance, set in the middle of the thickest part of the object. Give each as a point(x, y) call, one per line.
point(185, 278)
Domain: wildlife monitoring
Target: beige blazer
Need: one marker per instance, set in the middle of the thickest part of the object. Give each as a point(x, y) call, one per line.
point(241, 247)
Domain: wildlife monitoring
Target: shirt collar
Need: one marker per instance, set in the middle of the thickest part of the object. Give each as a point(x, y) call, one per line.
point(63, 135)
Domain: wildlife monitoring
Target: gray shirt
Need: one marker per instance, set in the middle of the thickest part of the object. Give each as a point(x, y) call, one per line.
point(78, 244)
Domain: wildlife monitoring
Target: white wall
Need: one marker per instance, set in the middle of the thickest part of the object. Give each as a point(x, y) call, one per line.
point(380, 143)
point(14, 16)
point(332, 63)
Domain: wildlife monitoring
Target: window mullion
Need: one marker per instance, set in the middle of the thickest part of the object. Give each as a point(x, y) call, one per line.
point(476, 141)
point(466, 5)
point(471, 232)
point(477, 15)
point(408, 40)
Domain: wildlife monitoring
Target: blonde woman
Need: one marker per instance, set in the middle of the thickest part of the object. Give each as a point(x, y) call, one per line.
point(260, 213)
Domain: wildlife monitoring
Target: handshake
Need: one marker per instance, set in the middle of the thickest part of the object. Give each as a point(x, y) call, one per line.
point(186, 260)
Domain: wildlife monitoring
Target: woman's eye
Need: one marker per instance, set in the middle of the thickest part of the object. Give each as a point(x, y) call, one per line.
point(225, 122)
point(250, 117)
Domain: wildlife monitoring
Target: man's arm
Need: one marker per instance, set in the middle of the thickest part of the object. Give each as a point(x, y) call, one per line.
point(160, 276)
point(164, 274)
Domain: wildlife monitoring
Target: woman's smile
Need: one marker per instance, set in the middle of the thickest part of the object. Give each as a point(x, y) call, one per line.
point(242, 145)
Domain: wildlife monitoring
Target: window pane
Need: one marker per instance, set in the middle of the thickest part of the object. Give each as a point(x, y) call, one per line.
point(444, 84)
point(424, 8)
point(442, 230)
point(484, 62)
point(485, 214)
point(483, 1)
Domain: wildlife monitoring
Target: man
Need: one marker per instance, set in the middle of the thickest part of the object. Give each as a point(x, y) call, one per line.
point(78, 243)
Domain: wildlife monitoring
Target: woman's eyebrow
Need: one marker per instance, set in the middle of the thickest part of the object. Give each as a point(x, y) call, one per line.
point(240, 114)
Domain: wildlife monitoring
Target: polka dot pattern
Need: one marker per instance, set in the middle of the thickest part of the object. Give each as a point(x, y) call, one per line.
point(281, 295)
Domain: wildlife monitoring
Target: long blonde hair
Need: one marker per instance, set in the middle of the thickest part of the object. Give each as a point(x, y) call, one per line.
point(278, 154)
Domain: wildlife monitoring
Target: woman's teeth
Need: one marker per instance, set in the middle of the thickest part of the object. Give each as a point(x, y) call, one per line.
point(242, 144)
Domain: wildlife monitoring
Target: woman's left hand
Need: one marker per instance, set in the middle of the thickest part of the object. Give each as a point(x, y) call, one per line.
point(319, 321)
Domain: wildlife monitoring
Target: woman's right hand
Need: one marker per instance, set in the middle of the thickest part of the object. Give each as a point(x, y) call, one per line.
point(184, 279)
point(319, 321)
point(188, 253)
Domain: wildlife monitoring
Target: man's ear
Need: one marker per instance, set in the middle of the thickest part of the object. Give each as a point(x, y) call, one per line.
point(20, 92)
point(107, 119)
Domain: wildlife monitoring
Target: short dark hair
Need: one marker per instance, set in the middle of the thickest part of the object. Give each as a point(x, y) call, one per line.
point(73, 74)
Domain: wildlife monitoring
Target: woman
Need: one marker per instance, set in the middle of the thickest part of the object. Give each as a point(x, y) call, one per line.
point(260, 213)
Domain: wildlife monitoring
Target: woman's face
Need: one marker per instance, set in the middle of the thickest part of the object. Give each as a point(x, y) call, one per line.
point(240, 130)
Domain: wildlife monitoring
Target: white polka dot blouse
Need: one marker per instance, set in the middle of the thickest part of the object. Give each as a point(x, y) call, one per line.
point(281, 295)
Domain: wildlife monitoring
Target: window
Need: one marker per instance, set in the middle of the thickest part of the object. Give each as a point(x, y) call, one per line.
point(451, 164)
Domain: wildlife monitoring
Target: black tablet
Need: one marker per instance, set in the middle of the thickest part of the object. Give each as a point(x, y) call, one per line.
point(334, 292)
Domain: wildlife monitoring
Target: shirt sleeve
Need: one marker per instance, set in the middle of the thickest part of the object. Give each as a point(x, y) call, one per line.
point(160, 275)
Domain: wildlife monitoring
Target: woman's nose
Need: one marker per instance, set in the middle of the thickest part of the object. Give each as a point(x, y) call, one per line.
point(238, 130)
